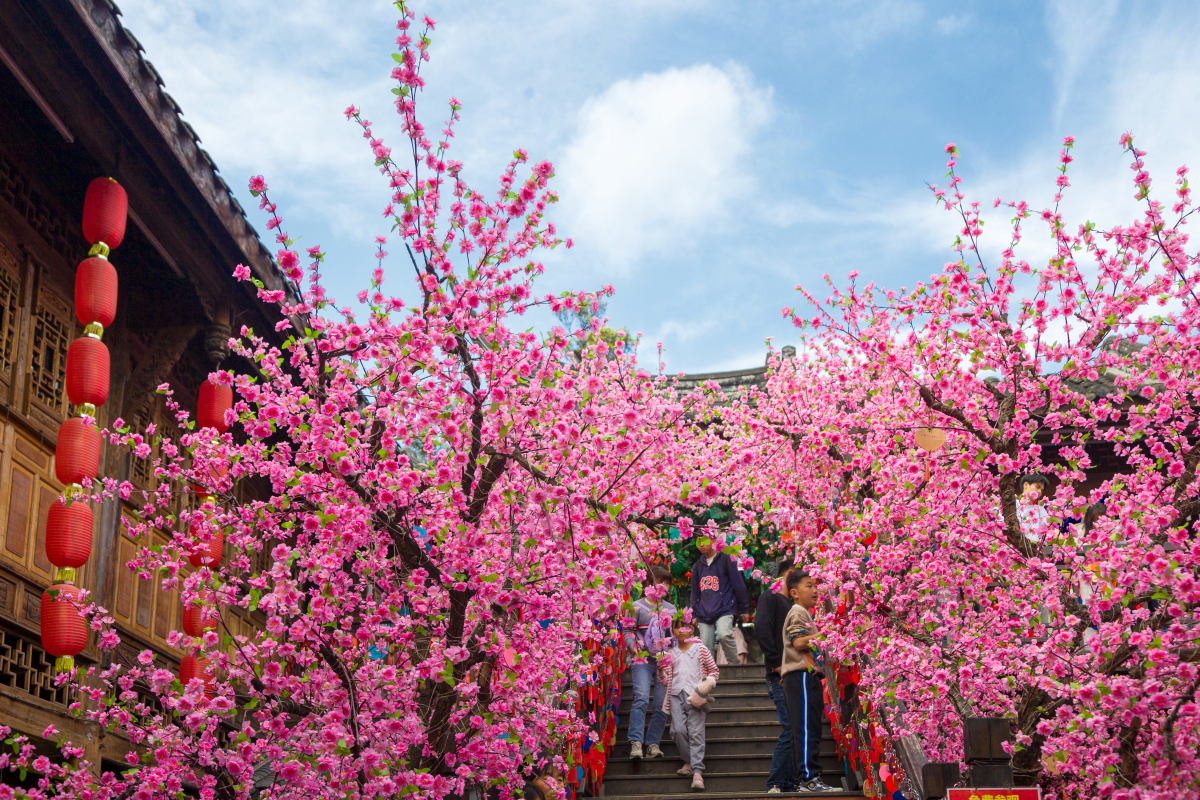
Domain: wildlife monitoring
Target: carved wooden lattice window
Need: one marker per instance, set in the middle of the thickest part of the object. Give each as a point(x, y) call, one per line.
point(26, 667)
point(179, 493)
point(58, 229)
point(143, 470)
point(10, 282)
point(48, 351)
point(167, 431)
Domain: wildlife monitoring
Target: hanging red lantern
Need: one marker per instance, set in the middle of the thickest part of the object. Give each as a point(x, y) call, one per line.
point(69, 533)
point(198, 619)
point(208, 553)
point(211, 476)
point(95, 291)
point(104, 210)
point(78, 453)
point(214, 401)
point(88, 366)
point(195, 667)
point(64, 631)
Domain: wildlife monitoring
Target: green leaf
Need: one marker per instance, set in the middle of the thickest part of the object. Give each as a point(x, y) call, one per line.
point(254, 595)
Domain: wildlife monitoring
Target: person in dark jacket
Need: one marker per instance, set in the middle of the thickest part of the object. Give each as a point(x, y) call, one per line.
point(717, 592)
point(772, 610)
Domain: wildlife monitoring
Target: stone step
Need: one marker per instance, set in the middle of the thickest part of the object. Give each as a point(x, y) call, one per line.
point(726, 695)
point(733, 729)
point(747, 672)
point(746, 746)
point(744, 784)
point(713, 762)
point(732, 712)
point(711, 795)
point(763, 746)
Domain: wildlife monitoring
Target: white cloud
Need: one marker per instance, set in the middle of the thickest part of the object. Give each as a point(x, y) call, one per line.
point(1079, 27)
point(1139, 78)
point(863, 24)
point(264, 102)
point(661, 158)
point(953, 23)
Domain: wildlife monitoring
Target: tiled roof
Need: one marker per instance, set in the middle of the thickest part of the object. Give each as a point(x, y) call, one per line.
point(125, 52)
point(730, 382)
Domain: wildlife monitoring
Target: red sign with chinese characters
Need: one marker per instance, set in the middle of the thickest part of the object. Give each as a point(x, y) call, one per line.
point(1022, 793)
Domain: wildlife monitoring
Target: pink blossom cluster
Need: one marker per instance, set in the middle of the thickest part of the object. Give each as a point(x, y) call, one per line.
point(431, 517)
point(1077, 616)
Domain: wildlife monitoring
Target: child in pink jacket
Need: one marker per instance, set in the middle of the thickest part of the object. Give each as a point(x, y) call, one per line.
point(690, 675)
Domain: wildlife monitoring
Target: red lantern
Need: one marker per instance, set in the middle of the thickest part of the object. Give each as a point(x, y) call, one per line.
point(208, 554)
point(211, 476)
point(104, 210)
point(69, 533)
point(194, 667)
point(64, 632)
point(87, 371)
point(78, 453)
point(95, 291)
point(198, 619)
point(214, 401)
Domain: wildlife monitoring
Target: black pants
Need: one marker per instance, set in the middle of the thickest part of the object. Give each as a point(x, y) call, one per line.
point(806, 708)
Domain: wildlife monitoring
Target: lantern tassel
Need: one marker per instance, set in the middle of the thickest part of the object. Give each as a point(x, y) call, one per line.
point(63, 664)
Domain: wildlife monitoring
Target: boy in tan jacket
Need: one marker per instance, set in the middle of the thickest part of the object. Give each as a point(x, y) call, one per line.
point(802, 682)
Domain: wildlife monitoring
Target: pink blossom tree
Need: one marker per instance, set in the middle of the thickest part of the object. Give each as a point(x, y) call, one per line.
point(451, 511)
point(956, 597)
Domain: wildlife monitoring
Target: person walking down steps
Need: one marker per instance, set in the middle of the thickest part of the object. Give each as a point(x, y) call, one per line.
point(651, 635)
point(769, 619)
point(691, 675)
point(717, 592)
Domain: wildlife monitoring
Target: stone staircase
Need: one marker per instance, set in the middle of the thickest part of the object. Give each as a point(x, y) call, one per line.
point(741, 732)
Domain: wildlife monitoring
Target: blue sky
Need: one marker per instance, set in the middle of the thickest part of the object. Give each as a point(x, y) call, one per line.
point(709, 155)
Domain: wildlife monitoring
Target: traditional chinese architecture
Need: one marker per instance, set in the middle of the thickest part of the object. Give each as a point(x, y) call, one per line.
point(77, 102)
point(731, 382)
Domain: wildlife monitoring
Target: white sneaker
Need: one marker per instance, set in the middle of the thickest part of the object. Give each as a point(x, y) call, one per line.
point(816, 785)
point(635, 750)
point(653, 751)
point(698, 782)
point(686, 769)
point(774, 790)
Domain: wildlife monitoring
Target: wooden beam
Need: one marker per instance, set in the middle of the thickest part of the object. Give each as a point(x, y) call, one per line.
point(27, 84)
point(153, 369)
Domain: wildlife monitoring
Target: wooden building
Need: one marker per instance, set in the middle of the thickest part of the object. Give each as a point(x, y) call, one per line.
point(78, 101)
